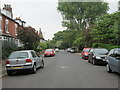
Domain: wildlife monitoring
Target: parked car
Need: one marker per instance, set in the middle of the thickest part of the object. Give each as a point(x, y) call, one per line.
point(97, 55)
point(73, 50)
point(24, 60)
point(68, 50)
point(85, 53)
point(113, 61)
point(49, 52)
point(56, 50)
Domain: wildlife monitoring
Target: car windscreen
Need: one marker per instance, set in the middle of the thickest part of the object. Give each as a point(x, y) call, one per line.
point(49, 50)
point(18, 55)
point(101, 51)
point(86, 50)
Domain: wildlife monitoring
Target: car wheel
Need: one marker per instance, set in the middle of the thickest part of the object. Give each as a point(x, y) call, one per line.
point(42, 66)
point(34, 69)
point(108, 68)
point(94, 62)
point(89, 61)
point(9, 73)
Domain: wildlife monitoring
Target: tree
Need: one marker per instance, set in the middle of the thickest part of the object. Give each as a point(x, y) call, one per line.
point(29, 38)
point(79, 15)
point(106, 29)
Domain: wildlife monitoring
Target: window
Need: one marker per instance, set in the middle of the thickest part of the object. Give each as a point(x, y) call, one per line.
point(111, 53)
point(101, 51)
point(117, 53)
point(6, 26)
point(33, 54)
point(16, 29)
point(0, 22)
point(18, 55)
point(91, 50)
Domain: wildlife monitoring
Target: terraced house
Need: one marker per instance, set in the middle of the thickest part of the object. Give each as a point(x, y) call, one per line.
point(9, 26)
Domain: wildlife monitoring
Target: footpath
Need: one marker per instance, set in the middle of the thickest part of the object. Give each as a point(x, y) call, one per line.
point(2, 69)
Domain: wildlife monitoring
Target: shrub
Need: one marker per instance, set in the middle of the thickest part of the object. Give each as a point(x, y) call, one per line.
point(7, 48)
point(107, 46)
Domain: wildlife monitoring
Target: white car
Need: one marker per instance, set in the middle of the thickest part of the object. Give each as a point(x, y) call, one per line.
point(56, 50)
point(24, 60)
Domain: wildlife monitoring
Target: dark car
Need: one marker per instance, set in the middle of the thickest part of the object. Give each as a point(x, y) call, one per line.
point(85, 53)
point(97, 55)
point(113, 61)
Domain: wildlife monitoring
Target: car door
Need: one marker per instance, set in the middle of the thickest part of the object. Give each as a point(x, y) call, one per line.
point(113, 62)
point(116, 60)
point(36, 58)
point(91, 55)
point(39, 59)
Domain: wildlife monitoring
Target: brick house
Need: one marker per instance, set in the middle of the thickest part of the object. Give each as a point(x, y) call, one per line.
point(8, 26)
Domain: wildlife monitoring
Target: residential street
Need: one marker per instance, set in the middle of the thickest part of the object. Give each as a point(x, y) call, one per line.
point(64, 70)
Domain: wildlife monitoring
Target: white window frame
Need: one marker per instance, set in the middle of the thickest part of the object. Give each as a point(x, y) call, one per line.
point(0, 23)
point(6, 26)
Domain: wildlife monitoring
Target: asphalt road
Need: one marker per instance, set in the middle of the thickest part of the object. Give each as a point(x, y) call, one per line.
point(65, 70)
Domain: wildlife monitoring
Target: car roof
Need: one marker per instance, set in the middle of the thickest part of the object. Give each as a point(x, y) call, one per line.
point(99, 48)
point(24, 51)
point(116, 49)
point(87, 48)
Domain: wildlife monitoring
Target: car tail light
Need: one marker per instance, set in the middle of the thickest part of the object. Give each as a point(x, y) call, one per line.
point(28, 60)
point(7, 62)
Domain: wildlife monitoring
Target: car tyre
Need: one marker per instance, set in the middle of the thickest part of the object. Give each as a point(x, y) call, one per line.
point(89, 61)
point(42, 66)
point(108, 68)
point(9, 73)
point(94, 62)
point(34, 69)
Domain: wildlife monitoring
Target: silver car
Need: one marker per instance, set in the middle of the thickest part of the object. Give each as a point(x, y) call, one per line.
point(24, 60)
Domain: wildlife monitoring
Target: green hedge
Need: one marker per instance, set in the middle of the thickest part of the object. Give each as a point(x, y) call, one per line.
point(7, 48)
point(107, 46)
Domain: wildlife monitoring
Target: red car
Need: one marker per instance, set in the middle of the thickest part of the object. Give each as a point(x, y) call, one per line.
point(85, 53)
point(49, 52)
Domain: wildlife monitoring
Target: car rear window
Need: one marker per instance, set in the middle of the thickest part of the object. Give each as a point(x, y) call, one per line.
point(86, 50)
point(48, 50)
point(18, 55)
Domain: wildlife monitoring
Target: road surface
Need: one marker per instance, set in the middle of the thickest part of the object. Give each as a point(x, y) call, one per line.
point(65, 70)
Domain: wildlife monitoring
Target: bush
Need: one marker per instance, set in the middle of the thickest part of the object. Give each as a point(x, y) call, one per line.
point(7, 48)
point(107, 46)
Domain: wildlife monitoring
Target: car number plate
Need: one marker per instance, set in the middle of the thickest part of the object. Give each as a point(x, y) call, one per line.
point(17, 67)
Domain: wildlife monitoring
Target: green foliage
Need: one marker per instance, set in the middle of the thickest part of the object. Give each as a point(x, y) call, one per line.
point(107, 46)
point(106, 30)
point(7, 48)
point(42, 46)
point(29, 38)
point(88, 24)
point(77, 15)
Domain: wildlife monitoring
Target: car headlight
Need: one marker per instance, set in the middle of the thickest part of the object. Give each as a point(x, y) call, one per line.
point(98, 57)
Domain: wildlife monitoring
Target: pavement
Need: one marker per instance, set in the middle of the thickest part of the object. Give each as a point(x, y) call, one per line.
point(64, 70)
point(2, 69)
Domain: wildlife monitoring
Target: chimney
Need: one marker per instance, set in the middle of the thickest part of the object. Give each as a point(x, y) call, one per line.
point(8, 8)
